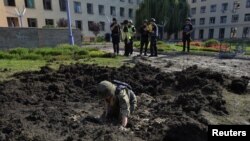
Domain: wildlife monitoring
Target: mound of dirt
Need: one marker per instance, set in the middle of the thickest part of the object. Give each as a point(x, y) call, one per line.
point(63, 105)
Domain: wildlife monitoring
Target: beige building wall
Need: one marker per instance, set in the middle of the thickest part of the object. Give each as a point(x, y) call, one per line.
point(241, 24)
point(41, 14)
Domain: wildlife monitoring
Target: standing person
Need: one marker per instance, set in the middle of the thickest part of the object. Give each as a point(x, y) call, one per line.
point(126, 38)
point(120, 101)
point(186, 34)
point(153, 29)
point(144, 37)
point(115, 29)
point(132, 32)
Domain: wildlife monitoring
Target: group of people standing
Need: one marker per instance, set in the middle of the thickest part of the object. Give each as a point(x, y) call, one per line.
point(149, 33)
point(126, 31)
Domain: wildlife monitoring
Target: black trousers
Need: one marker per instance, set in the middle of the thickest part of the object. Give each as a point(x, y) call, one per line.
point(127, 47)
point(153, 46)
point(144, 42)
point(186, 43)
point(116, 41)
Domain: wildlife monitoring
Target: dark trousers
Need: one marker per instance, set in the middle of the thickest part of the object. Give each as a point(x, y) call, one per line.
point(186, 43)
point(131, 49)
point(115, 41)
point(153, 46)
point(127, 47)
point(144, 42)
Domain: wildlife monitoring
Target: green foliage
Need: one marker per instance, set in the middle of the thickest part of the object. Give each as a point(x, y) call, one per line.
point(31, 56)
point(19, 51)
point(171, 12)
point(96, 54)
point(6, 55)
point(211, 42)
point(100, 39)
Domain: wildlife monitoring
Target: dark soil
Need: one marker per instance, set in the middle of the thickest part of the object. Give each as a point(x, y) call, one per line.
point(63, 105)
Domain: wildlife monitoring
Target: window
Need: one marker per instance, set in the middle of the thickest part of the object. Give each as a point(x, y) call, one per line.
point(223, 19)
point(193, 21)
point(62, 4)
point(29, 3)
point(49, 22)
point(224, 7)
point(203, 0)
point(203, 9)
point(201, 34)
point(79, 24)
point(77, 7)
point(247, 17)
point(193, 1)
point(9, 3)
point(90, 25)
point(90, 8)
point(130, 1)
point(202, 21)
point(236, 5)
point(193, 11)
point(211, 33)
point(47, 4)
point(130, 13)
point(248, 4)
point(212, 20)
point(221, 33)
point(32, 22)
point(12, 22)
point(235, 18)
point(112, 11)
point(213, 8)
point(122, 12)
point(102, 26)
point(101, 9)
point(122, 0)
point(138, 1)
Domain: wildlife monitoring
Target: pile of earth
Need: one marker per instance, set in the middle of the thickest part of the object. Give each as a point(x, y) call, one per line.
point(62, 105)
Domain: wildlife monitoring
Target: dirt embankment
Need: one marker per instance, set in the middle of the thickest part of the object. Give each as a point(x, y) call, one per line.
point(59, 105)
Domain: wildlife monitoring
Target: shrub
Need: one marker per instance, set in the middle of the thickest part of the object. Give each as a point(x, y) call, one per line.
point(82, 52)
point(211, 42)
point(6, 55)
point(19, 51)
point(100, 39)
point(96, 54)
point(31, 56)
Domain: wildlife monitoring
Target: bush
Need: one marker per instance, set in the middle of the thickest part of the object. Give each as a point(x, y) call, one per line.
point(96, 54)
point(19, 51)
point(31, 56)
point(49, 51)
point(6, 55)
point(82, 52)
point(100, 39)
point(211, 42)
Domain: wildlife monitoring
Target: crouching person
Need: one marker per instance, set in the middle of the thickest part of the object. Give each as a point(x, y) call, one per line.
point(120, 101)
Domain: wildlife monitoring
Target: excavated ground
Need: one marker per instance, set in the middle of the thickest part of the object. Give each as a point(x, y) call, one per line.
point(63, 105)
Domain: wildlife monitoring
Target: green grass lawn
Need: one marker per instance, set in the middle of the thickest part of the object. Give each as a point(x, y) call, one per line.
point(23, 59)
point(170, 47)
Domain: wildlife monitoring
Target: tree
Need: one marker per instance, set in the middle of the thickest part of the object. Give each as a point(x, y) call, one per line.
point(95, 28)
point(62, 23)
point(171, 12)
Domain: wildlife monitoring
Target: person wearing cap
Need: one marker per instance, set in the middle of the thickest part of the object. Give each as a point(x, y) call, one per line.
point(120, 103)
point(153, 37)
point(144, 37)
point(186, 34)
point(115, 34)
point(132, 32)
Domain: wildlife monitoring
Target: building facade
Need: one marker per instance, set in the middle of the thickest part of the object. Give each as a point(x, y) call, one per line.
point(220, 19)
point(42, 13)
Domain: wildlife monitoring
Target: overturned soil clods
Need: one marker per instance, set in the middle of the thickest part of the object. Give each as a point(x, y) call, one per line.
point(63, 105)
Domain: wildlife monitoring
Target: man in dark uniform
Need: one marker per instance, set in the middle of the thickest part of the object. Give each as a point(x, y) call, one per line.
point(153, 30)
point(186, 34)
point(115, 29)
point(144, 37)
